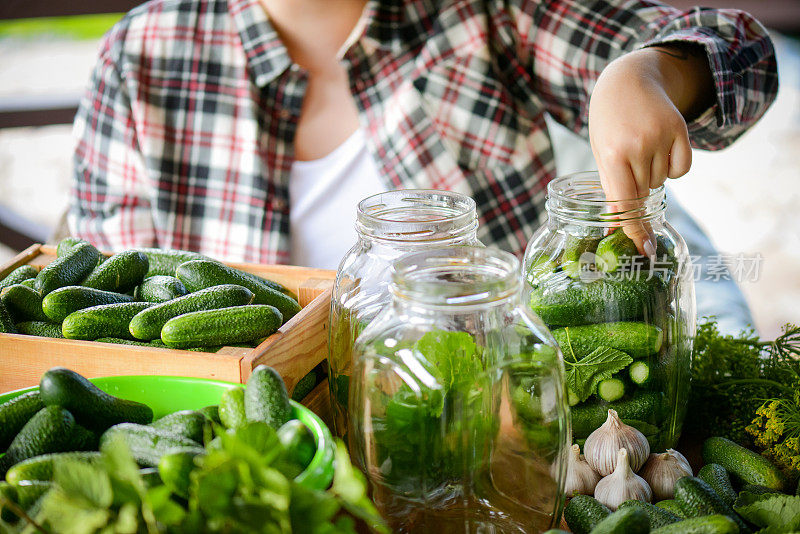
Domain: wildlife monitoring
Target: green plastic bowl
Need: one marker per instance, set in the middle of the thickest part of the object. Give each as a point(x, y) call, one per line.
point(167, 394)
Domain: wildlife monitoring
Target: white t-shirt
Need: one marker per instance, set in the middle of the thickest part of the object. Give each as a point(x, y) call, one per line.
point(324, 195)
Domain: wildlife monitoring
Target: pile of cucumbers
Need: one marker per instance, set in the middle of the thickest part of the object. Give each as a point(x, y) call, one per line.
point(69, 419)
point(149, 297)
point(702, 504)
point(616, 301)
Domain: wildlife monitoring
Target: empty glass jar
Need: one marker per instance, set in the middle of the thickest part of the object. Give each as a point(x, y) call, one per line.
point(458, 412)
point(625, 321)
point(389, 225)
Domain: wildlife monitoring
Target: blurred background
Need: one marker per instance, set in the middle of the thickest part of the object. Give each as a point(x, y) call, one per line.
point(746, 198)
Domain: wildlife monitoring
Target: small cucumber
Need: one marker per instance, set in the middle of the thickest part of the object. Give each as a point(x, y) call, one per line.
point(200, 274)
point(658, 516)
point(697, 499)
point(637, 339)
point(645, 406)
point(717, 477)
point(49, 430)
point(30, 282)
point(160, 288)
point(186, 423)
point(19, 275)
point(67, 244)
point(743, 464)
point(121, 272)
point(304, 386)
point(41, 467)
point(583, 513)
point(65, 300)
point(23, 303)
point(67, 270)
point(165, 262)
point(211, 413)
point(613, 250)
point(266, 398)
point(175, 469)
point(640, 373)
point(40, 328)
point(299, 445)
point(108, 320)
point(671, 506)
point(709, 524)
point(15, 413)
point(231, 408)
point(630, 520)
point(756, 489)
point(92, 407)
point(237, 324)
point(148, 444)
point(148, 323)
point(611, 389)
point(6, 321)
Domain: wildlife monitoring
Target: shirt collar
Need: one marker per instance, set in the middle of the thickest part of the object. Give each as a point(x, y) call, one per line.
point(267, 58)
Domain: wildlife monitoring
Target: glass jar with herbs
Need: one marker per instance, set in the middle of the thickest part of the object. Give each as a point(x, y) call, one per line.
point(613, 282)
point(388, 225)
point(458, 413)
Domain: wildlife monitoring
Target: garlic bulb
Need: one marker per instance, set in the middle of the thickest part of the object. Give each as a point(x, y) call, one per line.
point(622, 485)
point(602, 445)
point(662, 471)
point(580, 477)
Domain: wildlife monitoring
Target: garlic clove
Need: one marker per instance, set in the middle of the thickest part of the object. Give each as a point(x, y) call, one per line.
point(622, 485)
point(581, 478)
point(662, 470)
point(602, 445)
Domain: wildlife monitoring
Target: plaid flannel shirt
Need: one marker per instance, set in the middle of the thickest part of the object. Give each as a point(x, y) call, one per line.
point(185, 135)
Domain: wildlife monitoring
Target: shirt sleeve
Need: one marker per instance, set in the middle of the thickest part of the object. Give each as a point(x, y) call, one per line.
point(110, 204)
point(565, 44)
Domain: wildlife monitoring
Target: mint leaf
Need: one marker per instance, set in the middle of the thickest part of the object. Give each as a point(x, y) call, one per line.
point(584, 375)
point(84, 483)
point(454, 354)
point(348, 484)
point(770, 510)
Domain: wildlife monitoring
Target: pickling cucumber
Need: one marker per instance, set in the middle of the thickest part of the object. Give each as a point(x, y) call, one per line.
point(636, 339)
point(121, 272)
point(40, 328)
point(237, 324)
point(19, 275)
point(164, 261)
point(160, 288)
point(613, 250)
point(645, 406)
point(67, 270)
point(23, 303)
point(66, 300)
point(108, 320)
point(743, 464)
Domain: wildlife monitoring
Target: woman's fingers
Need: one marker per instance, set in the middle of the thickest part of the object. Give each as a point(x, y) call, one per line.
point(659, 169)
point(680, 156)
point(621, 190)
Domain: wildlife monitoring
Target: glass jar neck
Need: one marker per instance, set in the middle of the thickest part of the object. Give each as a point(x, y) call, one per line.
point(417, 217)
point(456, 278)
point(579, 199)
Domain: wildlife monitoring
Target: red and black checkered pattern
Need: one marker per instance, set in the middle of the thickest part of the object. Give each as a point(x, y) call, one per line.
point(185, 135)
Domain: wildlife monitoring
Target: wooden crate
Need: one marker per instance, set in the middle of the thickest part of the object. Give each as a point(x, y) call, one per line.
point(294, 350)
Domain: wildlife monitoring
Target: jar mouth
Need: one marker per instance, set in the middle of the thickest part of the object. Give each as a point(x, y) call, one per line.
point(417, 215)
point(579, 198)
point(456, 276)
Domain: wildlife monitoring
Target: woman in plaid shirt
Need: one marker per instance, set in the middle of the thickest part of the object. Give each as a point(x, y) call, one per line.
point(198, 109)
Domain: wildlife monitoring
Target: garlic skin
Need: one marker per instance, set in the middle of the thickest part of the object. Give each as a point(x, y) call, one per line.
point(662, 470)
point(622, 485)
point(602, 445)
point(581, 479)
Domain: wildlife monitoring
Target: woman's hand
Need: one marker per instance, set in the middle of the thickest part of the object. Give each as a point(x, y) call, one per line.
point(637, 123)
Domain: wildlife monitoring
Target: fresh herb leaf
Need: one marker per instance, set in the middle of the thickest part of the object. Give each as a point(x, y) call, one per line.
point(349, 485)
point(584, 375)
point(454, 354)
point(770, 510)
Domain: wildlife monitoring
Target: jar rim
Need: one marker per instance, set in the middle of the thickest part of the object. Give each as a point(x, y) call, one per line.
point(579, 197)
point(456, 276)
point(417, 215)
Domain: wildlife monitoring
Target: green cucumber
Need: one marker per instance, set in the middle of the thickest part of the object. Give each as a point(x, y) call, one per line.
point(23, 303)
point(717, 477)
point(186, 423)
point(743, 464)
point(19, 275)
point(611, 389)
point(40, 328)
point(645, 406)
point(200, 274)
point(148, 444)
point(30, 282)
point(304, 386)
point(630, 520)
point(148, 323)
point(231, 408)
point(42, 467)
point(49, 430)
point(67, 244)
point(67, 270)
point(15, 413)
point(165, 262)
point(709, 524)
point(108, 320)
point(756, 489)
point(640, 373)
point(658, 516)
point(636, 339)
point(672, 507)
point(628, 298)
point(91, 406)
point(266, 398)
point(697, 499)
point(121, 272)
point(613, 250)
point(237, 324)
point(583, 513)
point(211, 413)
point(66, 300)
point(160, 288)
point(299, 446)
point(175, 469)
point(6, 321)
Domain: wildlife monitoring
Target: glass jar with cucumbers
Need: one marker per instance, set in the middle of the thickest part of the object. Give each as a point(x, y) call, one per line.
point(458, 410)
point(388, 225)
point(613, 282)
